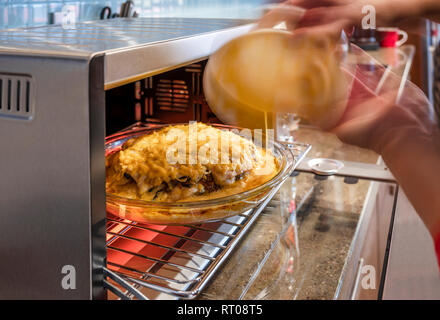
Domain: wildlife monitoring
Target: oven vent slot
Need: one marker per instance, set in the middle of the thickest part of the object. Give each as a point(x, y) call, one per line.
point(172, 95)
point(16, 96)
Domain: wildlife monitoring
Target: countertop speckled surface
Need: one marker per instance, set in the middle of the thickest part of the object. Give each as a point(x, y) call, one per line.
point(298, 253)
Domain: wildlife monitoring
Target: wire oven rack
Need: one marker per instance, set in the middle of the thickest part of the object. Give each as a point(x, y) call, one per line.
point(175, 262)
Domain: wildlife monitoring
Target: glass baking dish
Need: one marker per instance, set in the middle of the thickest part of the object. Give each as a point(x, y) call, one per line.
point(193, 212)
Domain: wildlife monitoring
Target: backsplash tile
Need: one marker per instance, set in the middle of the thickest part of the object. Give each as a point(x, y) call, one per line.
point(38, 14)
point(21, 13)
point(18, 14)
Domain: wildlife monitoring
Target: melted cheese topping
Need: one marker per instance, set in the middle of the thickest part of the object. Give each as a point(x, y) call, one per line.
point(187, 163)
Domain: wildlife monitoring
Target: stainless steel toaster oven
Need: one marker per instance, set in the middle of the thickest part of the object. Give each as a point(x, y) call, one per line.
point(62, 92)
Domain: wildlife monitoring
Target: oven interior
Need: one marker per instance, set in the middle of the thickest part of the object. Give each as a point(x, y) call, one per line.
point(256, 254)
point(168, 262)
point(175, 96)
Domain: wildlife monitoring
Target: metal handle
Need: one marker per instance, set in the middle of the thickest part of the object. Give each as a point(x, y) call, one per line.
point(358, 170)
point(297, 150)
point(358, 277)
point(106, 13)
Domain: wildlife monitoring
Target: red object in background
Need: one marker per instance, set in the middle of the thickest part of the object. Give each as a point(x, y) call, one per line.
point(389, 37)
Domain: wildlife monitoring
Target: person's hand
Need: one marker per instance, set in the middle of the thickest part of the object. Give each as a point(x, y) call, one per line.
point(329, 17)
point(293, 16)
point(395, 120)
point(374, 120)
point(351, 12)
point(399, 125)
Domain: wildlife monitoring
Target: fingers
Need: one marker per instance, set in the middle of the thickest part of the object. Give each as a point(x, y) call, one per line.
point(302, 14)
point(362, 120)
point(369, 116)
point(309, 4)
point(318, 16)
point(324, 15)
point(291, 15)
point(330, 30)
point(305, 13)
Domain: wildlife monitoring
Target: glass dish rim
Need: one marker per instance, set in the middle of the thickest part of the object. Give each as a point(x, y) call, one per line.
point(286, 168)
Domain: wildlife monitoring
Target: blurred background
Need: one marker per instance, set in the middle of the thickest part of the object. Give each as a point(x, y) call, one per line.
point(21, 13)
point(29, 13)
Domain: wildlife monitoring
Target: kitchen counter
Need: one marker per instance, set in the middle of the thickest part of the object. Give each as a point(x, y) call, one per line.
point(298, 247)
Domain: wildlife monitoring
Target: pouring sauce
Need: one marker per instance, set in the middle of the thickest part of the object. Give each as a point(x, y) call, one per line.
point(266, 71)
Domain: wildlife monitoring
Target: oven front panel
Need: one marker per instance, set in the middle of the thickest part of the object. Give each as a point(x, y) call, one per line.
point(45, 190)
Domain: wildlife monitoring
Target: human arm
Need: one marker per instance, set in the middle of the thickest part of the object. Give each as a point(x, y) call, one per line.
point(389, 12)
point(404, 131)
point(407, 136)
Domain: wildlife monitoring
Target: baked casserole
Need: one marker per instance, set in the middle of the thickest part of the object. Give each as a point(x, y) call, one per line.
point(190, 162)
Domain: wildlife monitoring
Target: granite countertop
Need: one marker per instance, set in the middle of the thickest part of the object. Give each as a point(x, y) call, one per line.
point(299, 255)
